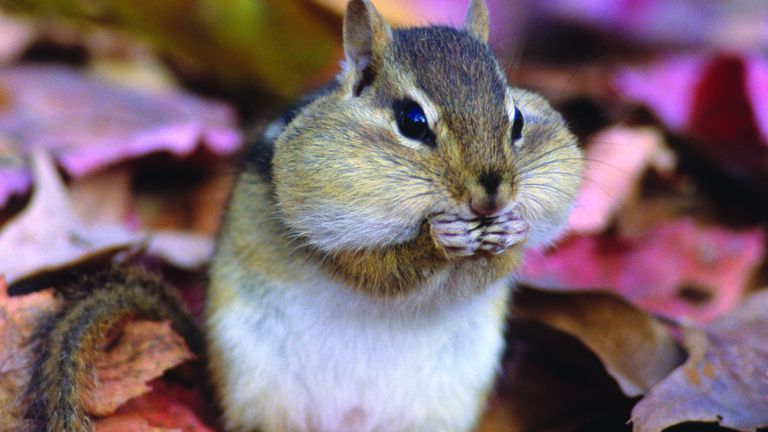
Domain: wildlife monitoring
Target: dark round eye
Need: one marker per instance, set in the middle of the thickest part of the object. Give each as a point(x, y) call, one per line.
point(517, 125)
point(412, 122)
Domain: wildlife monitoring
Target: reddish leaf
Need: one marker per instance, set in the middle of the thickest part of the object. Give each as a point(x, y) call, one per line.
point(678, 269)
point(47, 235)
point(145, 350)
point(721, 101)
point(725, 379)
point(18, 318)
point(127, 423)
point(164, 408)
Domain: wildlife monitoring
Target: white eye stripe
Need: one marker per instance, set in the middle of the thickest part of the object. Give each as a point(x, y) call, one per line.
point(512, 113)
point(509, 104)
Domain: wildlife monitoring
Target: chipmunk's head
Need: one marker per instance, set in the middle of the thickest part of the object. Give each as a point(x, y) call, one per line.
point(423, 121)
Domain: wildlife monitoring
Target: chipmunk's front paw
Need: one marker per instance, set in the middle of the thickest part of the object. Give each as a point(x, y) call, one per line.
point(503, 232)
point(459, 237)
point(456, 236)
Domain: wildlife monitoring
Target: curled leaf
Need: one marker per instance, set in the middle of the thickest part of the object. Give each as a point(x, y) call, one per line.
point(636, 350)
point(724, 380)
point(144, 351)
point(47, 235)
point(88, 124)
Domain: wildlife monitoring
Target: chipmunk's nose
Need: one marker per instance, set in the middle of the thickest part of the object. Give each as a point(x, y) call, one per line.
point(488, 201)
point(490, 181)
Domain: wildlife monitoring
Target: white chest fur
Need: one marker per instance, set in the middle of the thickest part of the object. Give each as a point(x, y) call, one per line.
point(319, 357)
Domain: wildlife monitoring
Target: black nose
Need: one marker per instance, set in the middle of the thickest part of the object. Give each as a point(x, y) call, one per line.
point(490, 181)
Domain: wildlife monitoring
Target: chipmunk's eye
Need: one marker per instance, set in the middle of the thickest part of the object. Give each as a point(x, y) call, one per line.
point(412, 121)
point(517, 125)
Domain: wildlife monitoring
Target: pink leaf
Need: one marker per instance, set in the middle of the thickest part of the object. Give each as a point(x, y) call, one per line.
point(721, 101)
point(675, 260)
point(615, 161)
point(87, 123)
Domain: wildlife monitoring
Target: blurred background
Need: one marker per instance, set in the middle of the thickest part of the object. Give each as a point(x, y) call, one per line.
point(144, 105)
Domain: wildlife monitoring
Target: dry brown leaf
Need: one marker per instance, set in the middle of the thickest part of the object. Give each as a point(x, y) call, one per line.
point(145, 350)
point(103, 197)
point(636, 350)
point(18, 318)
point(724, 380)
point(551, 382)
point(47, 235)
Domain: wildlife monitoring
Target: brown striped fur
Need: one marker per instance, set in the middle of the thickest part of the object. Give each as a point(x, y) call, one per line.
point(68, 342)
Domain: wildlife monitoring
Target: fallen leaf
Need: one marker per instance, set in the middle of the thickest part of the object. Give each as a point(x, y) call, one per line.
point(678, 269)
point(183, 250)
point(89, 124)
point(724, 380)
point(18, 317)
point(718, 100)
point(126, 423)
point(15, 35)
point(656, 23)
point(616, 158)
point(144, 351)
point(636, 350)
point(103, 197)
point(550, 382)
point(48, 236)
point(164, 408)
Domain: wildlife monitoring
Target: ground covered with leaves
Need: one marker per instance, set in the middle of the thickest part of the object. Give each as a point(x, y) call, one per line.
point(120, 124)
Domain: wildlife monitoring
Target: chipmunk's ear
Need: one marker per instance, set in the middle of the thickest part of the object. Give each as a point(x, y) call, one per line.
point(366, 35)
point(477, 22)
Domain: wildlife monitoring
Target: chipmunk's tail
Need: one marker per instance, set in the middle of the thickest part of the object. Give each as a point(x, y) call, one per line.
point(69, 340)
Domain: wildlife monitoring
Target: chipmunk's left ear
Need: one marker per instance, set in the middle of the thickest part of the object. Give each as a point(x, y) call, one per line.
point(477, 22)
point(366, 37)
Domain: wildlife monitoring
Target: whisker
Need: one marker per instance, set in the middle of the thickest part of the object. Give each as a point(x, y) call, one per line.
point(547, 187)
point(545, 154)
point(528, 169)
point(549, 173)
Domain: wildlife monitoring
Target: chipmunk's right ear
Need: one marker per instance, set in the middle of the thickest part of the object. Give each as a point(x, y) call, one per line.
point(366, 36)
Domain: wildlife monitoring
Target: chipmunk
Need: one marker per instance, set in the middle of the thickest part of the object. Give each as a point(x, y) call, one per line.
point(365, 259)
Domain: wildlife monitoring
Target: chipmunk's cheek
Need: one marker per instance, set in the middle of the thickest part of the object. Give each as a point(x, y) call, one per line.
point(331, 227)
point(545, 224)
